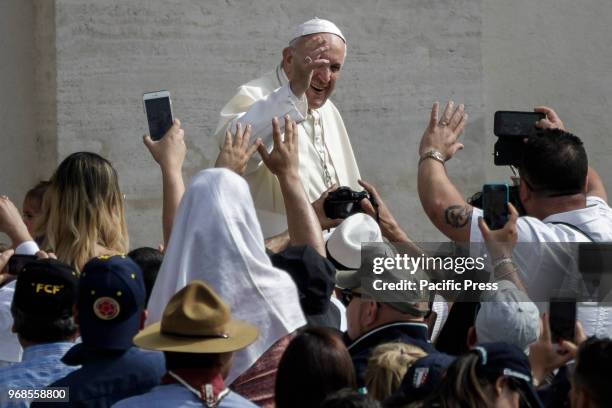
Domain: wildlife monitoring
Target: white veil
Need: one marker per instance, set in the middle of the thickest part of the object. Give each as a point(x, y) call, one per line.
point(216, 238)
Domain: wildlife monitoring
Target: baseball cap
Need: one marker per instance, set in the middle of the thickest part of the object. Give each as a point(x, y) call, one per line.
point(504, 359)
point(508, 315)
point(46, 289)
point(421, 380)
point(111, 300)
point(401, 298)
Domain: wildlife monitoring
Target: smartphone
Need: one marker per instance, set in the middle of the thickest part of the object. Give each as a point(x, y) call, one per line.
point(515, 124)
point(17, 262)
point(158, 108)
point(595, 266)
point(562, 318)
point(495, 205)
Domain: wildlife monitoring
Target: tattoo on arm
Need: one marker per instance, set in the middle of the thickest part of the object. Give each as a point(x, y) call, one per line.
point(458, 216)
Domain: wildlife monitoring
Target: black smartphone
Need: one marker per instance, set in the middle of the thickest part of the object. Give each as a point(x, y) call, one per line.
point(17, 262)
point(158, 108)
point(562, 319)
point(515, 124)
point(495, 205)
point(595, 266)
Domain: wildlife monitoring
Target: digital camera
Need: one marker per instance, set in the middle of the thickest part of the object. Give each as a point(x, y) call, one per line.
point(344, 202)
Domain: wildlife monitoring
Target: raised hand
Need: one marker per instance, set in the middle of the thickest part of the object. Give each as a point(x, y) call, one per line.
point(236, 151)
point(306, 58)
point(169, 151)
point(283, 160)
point(551, 121)
point(442, 135)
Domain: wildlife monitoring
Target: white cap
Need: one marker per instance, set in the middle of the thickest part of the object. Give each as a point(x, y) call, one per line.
point(315, 26)
point(508, 315)
point(344, 244)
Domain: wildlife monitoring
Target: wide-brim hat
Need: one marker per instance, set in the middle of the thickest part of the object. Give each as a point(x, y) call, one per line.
point(196, 320)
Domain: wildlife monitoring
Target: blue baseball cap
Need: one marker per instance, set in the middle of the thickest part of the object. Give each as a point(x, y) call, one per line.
point(504, 359)
point(110, 303)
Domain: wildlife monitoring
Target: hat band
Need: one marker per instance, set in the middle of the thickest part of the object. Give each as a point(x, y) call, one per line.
point(338, 265)
point(200, 336)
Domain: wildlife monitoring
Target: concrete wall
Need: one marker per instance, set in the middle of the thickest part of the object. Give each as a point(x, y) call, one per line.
point(17, 113)
point(402, 56)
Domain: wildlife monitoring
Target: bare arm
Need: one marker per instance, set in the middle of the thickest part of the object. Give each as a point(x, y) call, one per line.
point(441, 200)
point(169, 152)
point(302, 222)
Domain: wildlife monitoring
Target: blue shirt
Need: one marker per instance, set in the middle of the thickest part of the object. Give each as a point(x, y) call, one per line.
point(40, 366)
point(177, 396)
point(107, 376)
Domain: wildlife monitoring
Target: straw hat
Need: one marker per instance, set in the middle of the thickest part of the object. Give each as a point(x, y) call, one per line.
point(196, 320)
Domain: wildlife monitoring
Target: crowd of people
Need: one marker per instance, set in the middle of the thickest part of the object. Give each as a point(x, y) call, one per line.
point(257, 298)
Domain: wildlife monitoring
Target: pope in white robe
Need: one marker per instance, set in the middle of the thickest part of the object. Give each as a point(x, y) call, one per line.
point(299, 87)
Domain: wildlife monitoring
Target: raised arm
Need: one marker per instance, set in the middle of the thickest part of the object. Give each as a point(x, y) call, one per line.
point(169, 152)
point(441, 200)
point(283, 161)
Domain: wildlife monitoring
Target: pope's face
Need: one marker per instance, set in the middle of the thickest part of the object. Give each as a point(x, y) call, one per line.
point(324, 78)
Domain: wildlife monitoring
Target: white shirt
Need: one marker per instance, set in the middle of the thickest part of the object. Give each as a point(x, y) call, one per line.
point(541, 264)
point(326, 155)
point(10, 349)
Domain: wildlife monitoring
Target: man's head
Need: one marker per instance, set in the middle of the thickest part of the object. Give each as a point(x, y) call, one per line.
point(592, 376)
point(110, 308)
point(554, 164)
point(506, 315)
point(43, 303)
point(369, 304)
point(323, 78)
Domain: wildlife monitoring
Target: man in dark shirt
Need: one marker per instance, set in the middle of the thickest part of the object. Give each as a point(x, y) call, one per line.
point(376, 317)
point(110, 312)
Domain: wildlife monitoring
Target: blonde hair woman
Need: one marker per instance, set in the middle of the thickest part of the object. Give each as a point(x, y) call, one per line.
point(387, 366)
point(82, 213)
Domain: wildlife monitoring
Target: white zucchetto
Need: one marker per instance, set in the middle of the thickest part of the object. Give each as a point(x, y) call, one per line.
point(315, 26)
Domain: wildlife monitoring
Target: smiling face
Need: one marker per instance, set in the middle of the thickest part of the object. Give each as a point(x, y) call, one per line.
point(324, 78)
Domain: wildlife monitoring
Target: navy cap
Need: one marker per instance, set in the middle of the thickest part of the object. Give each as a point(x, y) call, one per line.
point(111, 300)
point(46, 289)
point(504, 359)
point(421, 380)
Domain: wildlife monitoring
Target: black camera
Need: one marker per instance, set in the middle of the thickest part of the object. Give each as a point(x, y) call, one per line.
point(511, 128)
point(344, 202)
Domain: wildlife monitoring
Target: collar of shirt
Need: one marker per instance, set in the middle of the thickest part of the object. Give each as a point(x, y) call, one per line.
point(575, 217)
point(46, 350)
point(82, 354)
point(414, 330)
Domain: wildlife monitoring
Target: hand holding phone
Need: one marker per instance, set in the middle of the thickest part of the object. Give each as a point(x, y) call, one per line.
point(158, 108)
point(495, 205)
point(17, 262)
point(562, 317)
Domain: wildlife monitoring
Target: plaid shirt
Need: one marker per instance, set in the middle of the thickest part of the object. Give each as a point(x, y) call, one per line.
point(40, 366)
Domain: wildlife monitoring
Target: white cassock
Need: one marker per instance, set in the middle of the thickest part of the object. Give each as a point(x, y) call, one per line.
point(326, 155)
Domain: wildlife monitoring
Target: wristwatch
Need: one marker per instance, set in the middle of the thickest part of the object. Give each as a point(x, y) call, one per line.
point(432, 154)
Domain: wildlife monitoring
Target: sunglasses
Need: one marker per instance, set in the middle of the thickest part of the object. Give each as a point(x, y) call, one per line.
point(347, 295)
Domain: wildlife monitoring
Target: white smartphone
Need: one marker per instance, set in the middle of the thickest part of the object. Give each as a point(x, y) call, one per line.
point(158, 108)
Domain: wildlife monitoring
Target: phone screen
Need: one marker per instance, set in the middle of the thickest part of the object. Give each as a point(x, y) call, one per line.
point(17, 262)
point(508, 123)
point(159, 116)
point(562, 318)
point(495, 205)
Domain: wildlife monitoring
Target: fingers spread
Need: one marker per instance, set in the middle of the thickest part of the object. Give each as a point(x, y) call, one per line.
point(238, 135)
point(457, 117)
point(263, 152)
point(227, 142)
point(246, 136)
point(446, 116)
